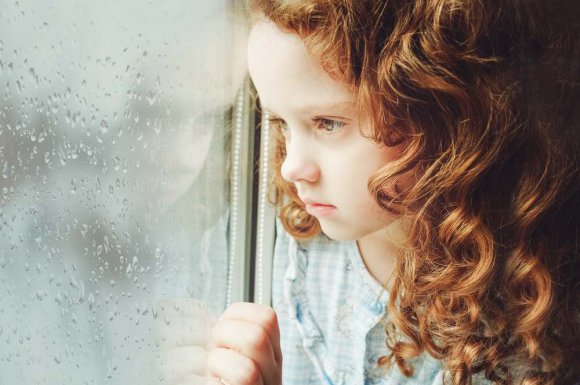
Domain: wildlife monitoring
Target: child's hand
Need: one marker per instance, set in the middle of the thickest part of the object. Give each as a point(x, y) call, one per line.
point(247, 346)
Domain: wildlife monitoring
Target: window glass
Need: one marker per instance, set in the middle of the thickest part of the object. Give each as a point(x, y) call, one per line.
point(115, 121)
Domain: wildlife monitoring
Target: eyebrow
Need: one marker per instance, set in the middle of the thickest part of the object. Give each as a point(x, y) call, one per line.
point(341, 106)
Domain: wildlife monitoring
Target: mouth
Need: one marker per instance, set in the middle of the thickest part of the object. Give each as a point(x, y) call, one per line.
point(318, 209)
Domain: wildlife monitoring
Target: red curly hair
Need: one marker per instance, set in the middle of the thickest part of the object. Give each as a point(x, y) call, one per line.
point(484, 96)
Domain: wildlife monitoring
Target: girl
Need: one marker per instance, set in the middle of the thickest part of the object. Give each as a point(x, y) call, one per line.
point(428, 193)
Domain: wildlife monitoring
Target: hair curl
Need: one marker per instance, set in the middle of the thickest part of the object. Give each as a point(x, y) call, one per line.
point(484, 96)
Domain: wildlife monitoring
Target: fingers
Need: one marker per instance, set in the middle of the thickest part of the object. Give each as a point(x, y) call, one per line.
point(233, 368)
point(263, 316)
point(249, 340)
point(247, 346)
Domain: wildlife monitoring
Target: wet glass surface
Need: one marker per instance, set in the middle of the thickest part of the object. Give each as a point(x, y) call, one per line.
point(114, 124)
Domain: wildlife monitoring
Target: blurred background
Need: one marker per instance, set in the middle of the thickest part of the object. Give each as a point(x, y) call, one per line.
point(115, 121)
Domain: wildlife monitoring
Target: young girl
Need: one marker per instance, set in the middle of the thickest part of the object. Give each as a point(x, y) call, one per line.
point(428, 192)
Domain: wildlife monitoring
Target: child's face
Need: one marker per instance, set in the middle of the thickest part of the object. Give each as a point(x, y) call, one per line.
point(328, 158)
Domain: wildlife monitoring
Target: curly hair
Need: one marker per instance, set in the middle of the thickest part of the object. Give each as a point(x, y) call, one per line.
point(484, 95)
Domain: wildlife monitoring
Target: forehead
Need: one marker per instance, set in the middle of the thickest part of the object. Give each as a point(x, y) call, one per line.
point(286, 76)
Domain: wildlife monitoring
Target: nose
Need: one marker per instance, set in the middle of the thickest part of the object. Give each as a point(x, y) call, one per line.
point(300, 164)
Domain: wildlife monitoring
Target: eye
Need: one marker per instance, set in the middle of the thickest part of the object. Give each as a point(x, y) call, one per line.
point(329, 125)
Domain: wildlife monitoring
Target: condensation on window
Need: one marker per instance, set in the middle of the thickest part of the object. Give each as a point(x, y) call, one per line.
point(114, 130)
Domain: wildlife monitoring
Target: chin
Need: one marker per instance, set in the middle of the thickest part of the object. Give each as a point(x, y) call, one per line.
point(339, 234)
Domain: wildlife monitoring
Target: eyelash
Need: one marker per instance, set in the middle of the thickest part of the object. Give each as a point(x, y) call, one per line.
point(322, 121)
point(319, 123)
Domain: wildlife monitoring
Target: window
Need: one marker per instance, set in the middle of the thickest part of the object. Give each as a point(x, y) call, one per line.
point(127, 182)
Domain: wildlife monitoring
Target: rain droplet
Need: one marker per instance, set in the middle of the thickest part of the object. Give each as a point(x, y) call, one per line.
point(151, 98)
point(84, 230)
point(104, 126)
point(5, 170)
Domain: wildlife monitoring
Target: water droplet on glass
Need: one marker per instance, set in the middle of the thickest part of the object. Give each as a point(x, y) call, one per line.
point(5, 170)
point(129, 271)
point(40, 295)
point(84, 230)
point(104, 126)
point(151, 98)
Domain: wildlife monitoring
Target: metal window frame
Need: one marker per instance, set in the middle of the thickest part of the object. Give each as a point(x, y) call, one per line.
point(252, 217)
point(266, 219)
point(241, 181)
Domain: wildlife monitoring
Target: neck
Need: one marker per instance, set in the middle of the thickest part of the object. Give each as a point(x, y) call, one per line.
point(379, 251)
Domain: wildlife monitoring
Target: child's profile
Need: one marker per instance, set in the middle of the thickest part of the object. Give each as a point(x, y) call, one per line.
point(427, 185)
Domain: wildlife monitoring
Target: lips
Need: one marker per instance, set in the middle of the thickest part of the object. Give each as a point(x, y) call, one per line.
point(318, 209)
